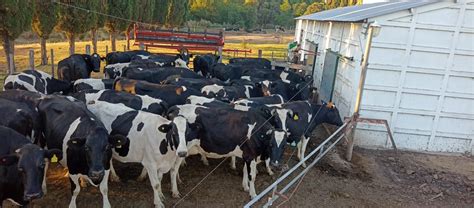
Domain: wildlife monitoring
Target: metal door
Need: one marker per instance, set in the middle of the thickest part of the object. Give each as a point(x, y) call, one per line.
point(328, 78)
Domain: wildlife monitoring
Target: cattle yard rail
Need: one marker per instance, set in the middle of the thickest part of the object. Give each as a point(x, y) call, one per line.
point(319, 152)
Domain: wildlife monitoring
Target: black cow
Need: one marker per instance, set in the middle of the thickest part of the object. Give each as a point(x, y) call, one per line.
point(194, 83)
point(203, 64)
point(84, 140)
point(36, 81)
point(78, 66)
point(289, 91)
point(124, 57)
point(22, 167)
point(171, 94)
point(22, 118)
point(158, 75)
point(255, 62)
point(304, 117)
point(92, 84)
point(227, 72)
point(225, 132)
point(136, 102)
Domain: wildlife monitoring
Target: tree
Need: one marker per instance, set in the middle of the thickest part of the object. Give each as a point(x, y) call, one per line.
point(300, 9)
point(177, 12)
point(75, 19)
point(116, 8)
point(99, 23)
point(15, 17)
point(45, 17)
point(314, 7)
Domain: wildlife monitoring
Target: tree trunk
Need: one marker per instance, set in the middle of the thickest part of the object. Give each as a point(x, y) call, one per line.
point(112, 41)
point(127, 35)
point(8, 45)
point(72, 43)
point(94, 39)
point(44, 56)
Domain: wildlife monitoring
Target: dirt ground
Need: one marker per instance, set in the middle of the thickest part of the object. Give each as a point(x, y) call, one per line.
point(375, 179)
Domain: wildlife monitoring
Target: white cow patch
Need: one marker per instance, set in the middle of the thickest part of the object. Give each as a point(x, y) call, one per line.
point(282, 114)
point(247, 90)
point(181, 125)
point(189, 112)
point(241, 108)
point(249, 131)
point(243, 102)
point(96, 84)
point(198, 100)
point(246, 78)
point(279, 136)
point(28, 86)
point(143, 57)
point(67, 137)
point(116, 68)
point(180, 63)
point(160, 64)
point(147, 101)
point(212, 88)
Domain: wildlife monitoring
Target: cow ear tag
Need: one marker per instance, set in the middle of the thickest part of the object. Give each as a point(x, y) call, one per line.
point(296, 117)
point(54, 159)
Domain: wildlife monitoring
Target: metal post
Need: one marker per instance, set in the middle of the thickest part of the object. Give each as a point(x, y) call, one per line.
point(259, 53)
point(52, 63)
point(360, 90)
point(32, 59)
point(273, 59)
point(219, 53)
point(106, 49)
point(88, 49)
point(142, 46)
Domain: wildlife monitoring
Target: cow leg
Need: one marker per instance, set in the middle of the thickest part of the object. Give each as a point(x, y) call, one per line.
point(43, 185)
point(253, 175)
point(75, 189)
point(267, 165)
point(113, 175)
point(155, 184)
point(298, 146)
point(304, 144)
point(204, 159)
point(174, 175)
point(245, 178)
point(160, 176)
point(104, 190)
point(143, 175)
point(232, 163)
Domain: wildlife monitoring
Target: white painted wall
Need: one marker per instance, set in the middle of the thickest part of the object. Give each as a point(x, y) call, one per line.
point(373, 1)
point(420, 78)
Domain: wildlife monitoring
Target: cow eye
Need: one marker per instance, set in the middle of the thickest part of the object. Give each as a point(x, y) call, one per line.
point(21, 169)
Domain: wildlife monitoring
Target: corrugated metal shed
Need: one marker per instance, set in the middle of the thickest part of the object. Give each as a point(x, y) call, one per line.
point(362, 12)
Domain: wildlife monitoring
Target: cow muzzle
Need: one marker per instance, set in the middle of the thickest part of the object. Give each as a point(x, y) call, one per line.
point(32, 196)
point(182, 154)
point(96, 176)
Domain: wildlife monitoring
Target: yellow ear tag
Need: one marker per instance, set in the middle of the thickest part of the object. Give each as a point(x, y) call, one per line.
point(54, 159)
point(295, 117)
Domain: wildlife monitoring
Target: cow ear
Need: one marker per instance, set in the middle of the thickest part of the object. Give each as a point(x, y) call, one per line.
point(53, 152)
point(8, 160)
point(269, 132)
point(330, 105)
point(165, 128)
point(179, 90)
point(76, 142)
point(117, 140)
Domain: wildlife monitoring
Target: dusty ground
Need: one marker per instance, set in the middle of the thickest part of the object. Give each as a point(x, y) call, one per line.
point(376, 179)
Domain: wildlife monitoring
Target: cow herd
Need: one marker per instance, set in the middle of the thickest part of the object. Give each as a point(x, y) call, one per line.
point(151, 109)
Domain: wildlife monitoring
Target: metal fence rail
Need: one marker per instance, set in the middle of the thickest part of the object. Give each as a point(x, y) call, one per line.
point(338, 134)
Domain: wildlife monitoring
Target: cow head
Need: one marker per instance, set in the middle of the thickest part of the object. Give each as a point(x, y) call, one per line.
point(281, 116)
point(331, 114)
point(176, 133)
point(95, 62)
point(96, 148)
point(278, 140)
point(30, 161)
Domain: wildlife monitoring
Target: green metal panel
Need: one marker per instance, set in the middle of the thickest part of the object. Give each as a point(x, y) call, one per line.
point(328, 80)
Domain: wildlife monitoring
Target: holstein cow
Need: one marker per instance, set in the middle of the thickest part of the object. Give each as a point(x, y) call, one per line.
point(113, 71)
point(22, 118)
point(194, 83)
point(233, 92)
point(36, 81)
point(171, 94)
point(304, 117)
point(289, 91)
point(155, 142)
point(22, 167)
point(203, 64)
point(225, 132)
point(163, 60)
point(260, 101)
point(84, 140)
point(78, 66)
point(158, 75)
point(124, 57)
point(136, 102)
point(92, 84)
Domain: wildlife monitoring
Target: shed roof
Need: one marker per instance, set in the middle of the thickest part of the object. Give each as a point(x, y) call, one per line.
point(360, 13)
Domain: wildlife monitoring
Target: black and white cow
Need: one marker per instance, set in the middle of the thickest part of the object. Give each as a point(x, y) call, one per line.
point(302, 119)
point(113, 71)
point(163, 60)
point(92, 84)
point(147, 133)
point(203, 64)
point(69, 126)
point(289, 91)
point(208, 102)
point(194, 83)
point(78, 66)
point(36, 81)
point(171, 94)
point(22, 167)
point(225, 132)
point(257, 62)
point(261, 101)
point(136, 102)
point(158, 75)
point(22, 118)
point(233, 92)
point(124, 57)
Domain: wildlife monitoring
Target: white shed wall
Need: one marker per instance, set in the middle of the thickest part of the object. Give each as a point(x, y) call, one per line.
point(420, 78)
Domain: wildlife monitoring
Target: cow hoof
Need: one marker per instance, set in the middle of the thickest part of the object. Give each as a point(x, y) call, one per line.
point(205, 162)
point(83, 183)
point(303, 165)
point(233, 167)
point(160, 205)
point(141, 178)
point(176, 195)
point(114, 178)
point(270, 173)
point(162, 196)
point(246, 188)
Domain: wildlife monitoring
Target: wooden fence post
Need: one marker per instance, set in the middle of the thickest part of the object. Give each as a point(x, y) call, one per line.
point(106, 49)
point(124, 48)
point(52, 63)
point(273, 59)
point(32, 59)
point(219, 53)
point(12, 65)
point(260, 53)
point(88, 49)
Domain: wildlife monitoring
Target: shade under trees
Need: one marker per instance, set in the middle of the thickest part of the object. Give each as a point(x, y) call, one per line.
point(45, 17)
point(15, 18)
point(113, 25)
